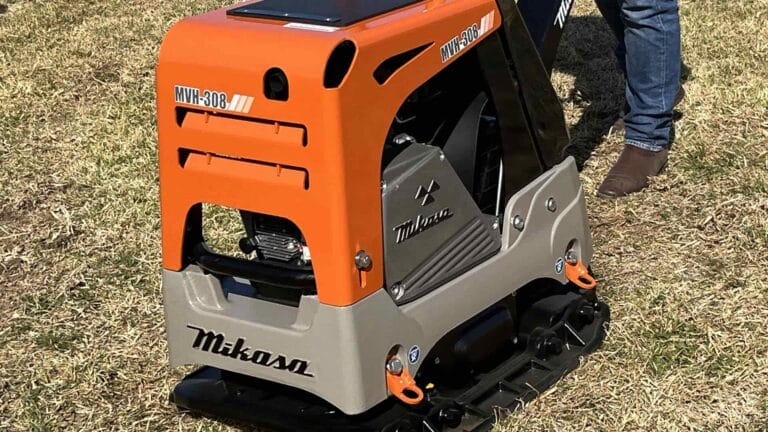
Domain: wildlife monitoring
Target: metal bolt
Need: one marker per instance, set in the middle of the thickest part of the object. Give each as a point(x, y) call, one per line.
point(518, 222)
point(403, 139)
point(395, 366)
point(383, 185)
point(495, 224)
point(397, 290)
point(572, 257)
point(442, 157)
point(551, 204)
point(363, 261)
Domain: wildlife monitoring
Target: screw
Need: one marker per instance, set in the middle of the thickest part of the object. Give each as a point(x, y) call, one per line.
point(395, 366)
point(551, 204)
point(442, 156)
point(495, 224)
point(451, 416)
point(571, 257)
point(518, 222)
point(403, 139)
point(397, 289)
point(363, 261)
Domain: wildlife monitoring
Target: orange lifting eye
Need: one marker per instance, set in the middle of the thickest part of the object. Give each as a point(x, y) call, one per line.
point(402, 385)
point(577, 273)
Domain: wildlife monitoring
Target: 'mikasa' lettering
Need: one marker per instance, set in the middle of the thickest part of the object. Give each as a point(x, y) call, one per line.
point(216, 343)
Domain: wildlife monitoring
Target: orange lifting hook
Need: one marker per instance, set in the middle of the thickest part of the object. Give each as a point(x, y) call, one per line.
point(401, 384)
point(577, 272)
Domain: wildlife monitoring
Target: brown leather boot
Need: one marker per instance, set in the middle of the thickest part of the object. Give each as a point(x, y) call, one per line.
point(632, 171)
point(618, 125)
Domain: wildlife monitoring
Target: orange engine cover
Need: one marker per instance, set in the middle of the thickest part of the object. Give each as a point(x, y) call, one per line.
point(314, 158)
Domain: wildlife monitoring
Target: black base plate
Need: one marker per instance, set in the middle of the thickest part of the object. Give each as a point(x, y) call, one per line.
point(557, 330)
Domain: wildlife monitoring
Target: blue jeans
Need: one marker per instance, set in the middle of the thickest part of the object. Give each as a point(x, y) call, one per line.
point(648, 32)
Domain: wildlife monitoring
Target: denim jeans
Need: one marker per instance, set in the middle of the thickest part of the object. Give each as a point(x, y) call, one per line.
point(648, 52)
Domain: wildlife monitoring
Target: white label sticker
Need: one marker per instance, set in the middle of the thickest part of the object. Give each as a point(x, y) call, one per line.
point(559, 265)
point(413, 354)
point(562, 13)
point(312, 27)
point(212, 99)
point(467, 37)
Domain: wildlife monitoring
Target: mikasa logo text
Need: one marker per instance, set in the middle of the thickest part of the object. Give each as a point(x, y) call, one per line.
point(216, 343)
point(410, 228)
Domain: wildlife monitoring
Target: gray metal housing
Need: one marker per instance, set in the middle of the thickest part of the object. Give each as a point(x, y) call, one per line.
point(433, 230)
point(346, 347)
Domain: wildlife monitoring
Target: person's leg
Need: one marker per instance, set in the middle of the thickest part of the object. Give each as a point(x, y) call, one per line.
point(611, 11)
point(652, 42)
point(652, 39)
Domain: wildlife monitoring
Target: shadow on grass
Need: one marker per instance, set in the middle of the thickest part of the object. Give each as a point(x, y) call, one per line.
point(587, 53)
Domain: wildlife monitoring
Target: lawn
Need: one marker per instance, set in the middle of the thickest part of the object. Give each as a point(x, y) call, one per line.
point(682, 265)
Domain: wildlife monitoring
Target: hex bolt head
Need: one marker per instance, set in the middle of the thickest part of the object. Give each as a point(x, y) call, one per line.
point(451, 416)
point(395, 366)
point(551, 204)
point(572, 257)
point(363, 261)
point(397, 290)
point(403, 139)
point(518, 222)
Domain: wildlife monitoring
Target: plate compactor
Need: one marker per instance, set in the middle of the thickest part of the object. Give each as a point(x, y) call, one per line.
point(415, 247)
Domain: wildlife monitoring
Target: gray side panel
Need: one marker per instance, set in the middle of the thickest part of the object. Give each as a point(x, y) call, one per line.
point(433, 230)
point(346, 347)
point(531, 255)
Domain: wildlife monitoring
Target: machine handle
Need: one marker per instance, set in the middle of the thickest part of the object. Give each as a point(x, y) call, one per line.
point(257, 271)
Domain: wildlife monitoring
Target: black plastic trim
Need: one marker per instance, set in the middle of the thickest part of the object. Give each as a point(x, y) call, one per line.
point(388, 67)
point(336, 13)
point(256, 271)
point(339, 64)
point(551, 351)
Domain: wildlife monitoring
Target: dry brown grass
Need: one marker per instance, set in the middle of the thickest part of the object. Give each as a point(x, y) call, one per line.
point(683, 265)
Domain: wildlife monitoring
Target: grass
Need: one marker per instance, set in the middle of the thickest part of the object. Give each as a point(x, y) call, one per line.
point(683, 265)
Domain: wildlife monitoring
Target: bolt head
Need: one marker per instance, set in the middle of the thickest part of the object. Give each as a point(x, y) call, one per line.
point(518, 222)
point(397, 290)
point(551, 204)
point(363, 261)
point(571, 257)
point(395, 366)
point(403, 139)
